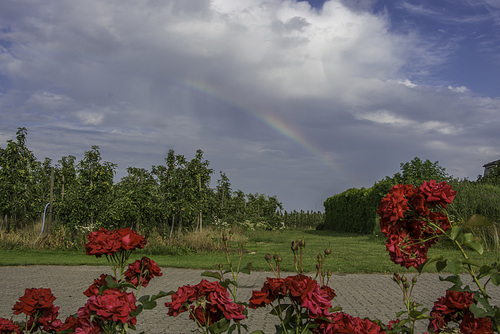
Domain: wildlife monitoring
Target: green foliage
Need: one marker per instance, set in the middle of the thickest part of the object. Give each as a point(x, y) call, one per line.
point(20, 173)
point(482, 199)
point(350, 212)
point(173, 198)
point(492, 178)
point(417, 171)
point(355, 210)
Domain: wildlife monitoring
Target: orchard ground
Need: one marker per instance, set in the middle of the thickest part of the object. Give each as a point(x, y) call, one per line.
point(375, 296)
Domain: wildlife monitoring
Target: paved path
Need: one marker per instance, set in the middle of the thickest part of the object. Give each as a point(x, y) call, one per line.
point(374, 296)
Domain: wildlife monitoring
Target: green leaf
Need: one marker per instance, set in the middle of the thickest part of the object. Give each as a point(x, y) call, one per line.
point(137, 311)
point(468, 237)
point(471, 262)
point(495, 279)
point(219, 327)
point(289, 314)
point(477, 220)
point(212, 274)
point(454, 267)
point(475, 246)
point(149, 305)
point(420, 314)
point(455, 232)
point(478, 312)
point(162, 294)
point(455, 279)
point(144, 298)
point(257, 332)
point(440, 265)
point(432, 259)
point(247, 269)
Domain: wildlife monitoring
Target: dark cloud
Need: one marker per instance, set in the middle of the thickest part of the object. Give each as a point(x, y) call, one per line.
point(288, 99)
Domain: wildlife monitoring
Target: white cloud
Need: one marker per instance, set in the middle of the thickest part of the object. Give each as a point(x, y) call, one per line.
point(385, 117)
point(88, 117)
point(460, 89)
point(146, 76)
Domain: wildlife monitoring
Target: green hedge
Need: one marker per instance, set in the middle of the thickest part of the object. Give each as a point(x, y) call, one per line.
point(351, 211)
point(475, 198)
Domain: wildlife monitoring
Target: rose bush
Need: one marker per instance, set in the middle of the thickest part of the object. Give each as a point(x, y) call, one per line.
point(412, 218)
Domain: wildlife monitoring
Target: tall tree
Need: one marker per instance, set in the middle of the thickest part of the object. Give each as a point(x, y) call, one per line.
point(417, 171)
point(18, 167)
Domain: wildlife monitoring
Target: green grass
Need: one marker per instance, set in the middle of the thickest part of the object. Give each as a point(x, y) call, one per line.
point(350, 254)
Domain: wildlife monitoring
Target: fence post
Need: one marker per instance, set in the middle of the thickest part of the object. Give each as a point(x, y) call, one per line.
point(51, 201)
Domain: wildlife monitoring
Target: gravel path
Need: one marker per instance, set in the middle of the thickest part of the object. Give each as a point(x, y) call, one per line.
point(374, 296)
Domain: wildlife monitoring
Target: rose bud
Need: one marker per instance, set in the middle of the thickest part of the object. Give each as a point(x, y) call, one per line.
point(328, 251)
point(396, 277)
point(268, 257)
point(279, 259)
point(414, 280)
point(275, 257)
point(302, 243)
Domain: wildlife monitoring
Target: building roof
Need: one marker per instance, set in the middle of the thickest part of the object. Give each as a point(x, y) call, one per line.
point(493, 163)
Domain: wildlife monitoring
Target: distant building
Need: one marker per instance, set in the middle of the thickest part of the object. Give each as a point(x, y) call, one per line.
point(489, 166)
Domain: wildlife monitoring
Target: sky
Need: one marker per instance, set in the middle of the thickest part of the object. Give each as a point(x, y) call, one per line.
point(295, 99)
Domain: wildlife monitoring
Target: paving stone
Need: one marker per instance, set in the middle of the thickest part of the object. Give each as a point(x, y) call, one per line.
point(373, 296)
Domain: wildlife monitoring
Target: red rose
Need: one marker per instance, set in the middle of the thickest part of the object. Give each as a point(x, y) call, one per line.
point(183, 295)
point(261, 298)
point(130, 239)
point(34, 300)
point(438, 193)
point(102, 242)
point(459, 300)
point(7, 326)
point(113, 305)
point(142, 271)
point(93, 290)
point(471, 325)
point(450, 308)
point(345, 323)
point(209, 301)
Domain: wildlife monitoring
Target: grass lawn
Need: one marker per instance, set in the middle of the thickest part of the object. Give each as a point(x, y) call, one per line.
point(350, 254)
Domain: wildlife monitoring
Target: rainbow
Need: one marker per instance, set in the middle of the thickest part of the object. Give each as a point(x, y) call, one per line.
point(273, 122)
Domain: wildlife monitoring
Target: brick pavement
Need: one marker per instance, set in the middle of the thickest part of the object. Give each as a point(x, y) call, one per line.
point(374, 296)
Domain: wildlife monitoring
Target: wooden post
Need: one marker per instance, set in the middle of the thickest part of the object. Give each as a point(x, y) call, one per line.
point(51, 201)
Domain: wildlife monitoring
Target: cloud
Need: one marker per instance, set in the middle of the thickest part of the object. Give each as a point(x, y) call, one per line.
point(280, 95)
point(461, 89)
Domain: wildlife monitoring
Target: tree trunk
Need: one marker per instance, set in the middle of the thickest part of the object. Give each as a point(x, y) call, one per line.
point(62, 188)
point(179, 228)
point(172, 227)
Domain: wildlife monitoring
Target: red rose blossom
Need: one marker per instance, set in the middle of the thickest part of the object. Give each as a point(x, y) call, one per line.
point(209, 302)
point(8, 326)
point(341, 322)
point(106, 242)
point(450, 308)
point(438, 193)
point(471, 325)
point(142, 271)
point(113, 305)
point(34, 300)
point(409, 219)
point(93, 290)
